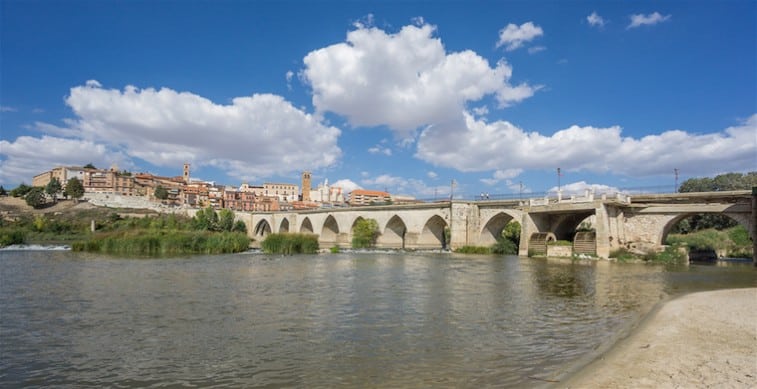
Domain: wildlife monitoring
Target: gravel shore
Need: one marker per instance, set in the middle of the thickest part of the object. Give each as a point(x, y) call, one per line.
point(700, 340)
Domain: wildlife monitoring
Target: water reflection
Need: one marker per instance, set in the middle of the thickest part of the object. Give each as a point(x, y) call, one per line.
point(346, 320)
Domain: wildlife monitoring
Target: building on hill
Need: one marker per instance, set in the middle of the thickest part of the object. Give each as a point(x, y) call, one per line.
point(62, 173)
point(359, 197)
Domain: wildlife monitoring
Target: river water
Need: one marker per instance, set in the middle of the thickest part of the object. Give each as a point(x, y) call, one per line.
point(330, 320)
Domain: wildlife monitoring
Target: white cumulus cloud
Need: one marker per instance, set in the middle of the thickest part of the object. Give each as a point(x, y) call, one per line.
point(514, 36)
point(347, 185)
point(638, 20)
point(28, 156)
point(254, 136)
point(587, 148)
point(403, 80)
point(579, 189)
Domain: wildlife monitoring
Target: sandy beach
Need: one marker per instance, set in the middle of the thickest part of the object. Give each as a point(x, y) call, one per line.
point(700, 340)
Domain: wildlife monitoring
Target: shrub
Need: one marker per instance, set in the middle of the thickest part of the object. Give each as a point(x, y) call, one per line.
point(473, 250)
point(505, 247)
point(335, 250)
point(290, 243)
point(671, 255)
point(365, 233)
point(9, 236)
point(622, 254)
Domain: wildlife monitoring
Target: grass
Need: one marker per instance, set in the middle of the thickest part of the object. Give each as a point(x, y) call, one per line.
point(141, 242)
point(290, 243)
point(473, 250)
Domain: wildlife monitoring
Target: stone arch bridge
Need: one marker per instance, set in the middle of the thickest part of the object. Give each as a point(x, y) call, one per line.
point(641, 221)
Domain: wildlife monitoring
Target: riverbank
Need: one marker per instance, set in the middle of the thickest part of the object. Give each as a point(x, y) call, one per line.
point(700, 340)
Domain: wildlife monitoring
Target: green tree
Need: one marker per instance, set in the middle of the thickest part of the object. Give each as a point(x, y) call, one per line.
point(722, 182)
point(206, 219)
point(35, 197)
point(509, 241)
point(2, 191)
point(225, 220)
point(74, 189)
point(239, 226)
point(160, 193)
point(53, 188)
point(89, 166)
point(21, 190)
point(365, 233)
point(511, 232)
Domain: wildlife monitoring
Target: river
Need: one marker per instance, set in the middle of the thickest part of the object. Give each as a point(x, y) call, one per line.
point(329, 320)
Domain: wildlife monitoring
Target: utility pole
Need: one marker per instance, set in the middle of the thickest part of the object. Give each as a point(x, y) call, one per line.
point(675, 190)
point(520, 192)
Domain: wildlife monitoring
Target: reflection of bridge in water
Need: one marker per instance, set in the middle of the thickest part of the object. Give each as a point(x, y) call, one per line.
point(641, 221)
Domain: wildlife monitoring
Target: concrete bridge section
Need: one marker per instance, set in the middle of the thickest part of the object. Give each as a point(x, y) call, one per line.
point(631, 222)
point(421, 226)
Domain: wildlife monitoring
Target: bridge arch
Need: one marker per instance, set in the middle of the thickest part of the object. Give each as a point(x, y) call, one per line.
point(329, 232)
point(433, 234)
point(493, 228)
point(668, 225)
point(262, 229)
point(284, 226)
point(393, 235)
point(565, 225)
point(306, 227)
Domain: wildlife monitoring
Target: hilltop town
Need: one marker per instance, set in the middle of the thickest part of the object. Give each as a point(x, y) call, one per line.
point(117, 188)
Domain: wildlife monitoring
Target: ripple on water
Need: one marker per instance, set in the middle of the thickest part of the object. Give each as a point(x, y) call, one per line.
point(345, 320)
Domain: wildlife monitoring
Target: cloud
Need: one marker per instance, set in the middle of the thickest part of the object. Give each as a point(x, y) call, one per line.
point(432, 175)
point(586, 148)
point(380, 150)
point(579, 189)
point(502, 175)
point(401, 185)
point(28, 156)
point(404, 80)
point(289, 75)
point(638, 20)
point(595, 20)
point(5, 108)
point(514, 36)
point(347, 185)
point(536, 49)
point(255, 136)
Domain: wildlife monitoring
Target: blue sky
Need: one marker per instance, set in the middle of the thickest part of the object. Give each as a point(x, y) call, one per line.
point(403, 96)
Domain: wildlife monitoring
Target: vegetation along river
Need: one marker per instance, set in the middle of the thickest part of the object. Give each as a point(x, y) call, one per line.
point(329, 320)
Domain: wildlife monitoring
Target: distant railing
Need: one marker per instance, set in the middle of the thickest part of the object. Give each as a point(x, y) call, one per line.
point(552, 195)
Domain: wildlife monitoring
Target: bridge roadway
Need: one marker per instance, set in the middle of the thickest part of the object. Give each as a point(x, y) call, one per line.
point(639, 222)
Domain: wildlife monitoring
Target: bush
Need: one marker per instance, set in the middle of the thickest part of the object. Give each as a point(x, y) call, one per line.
point(473, 250)
point(9, 236)
point(671, 255)
point(365, 233)
point(505, 247)
point(622, 254)
point(290, 243)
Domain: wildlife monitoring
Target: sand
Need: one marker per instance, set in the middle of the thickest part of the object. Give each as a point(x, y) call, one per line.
point(700, 340)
